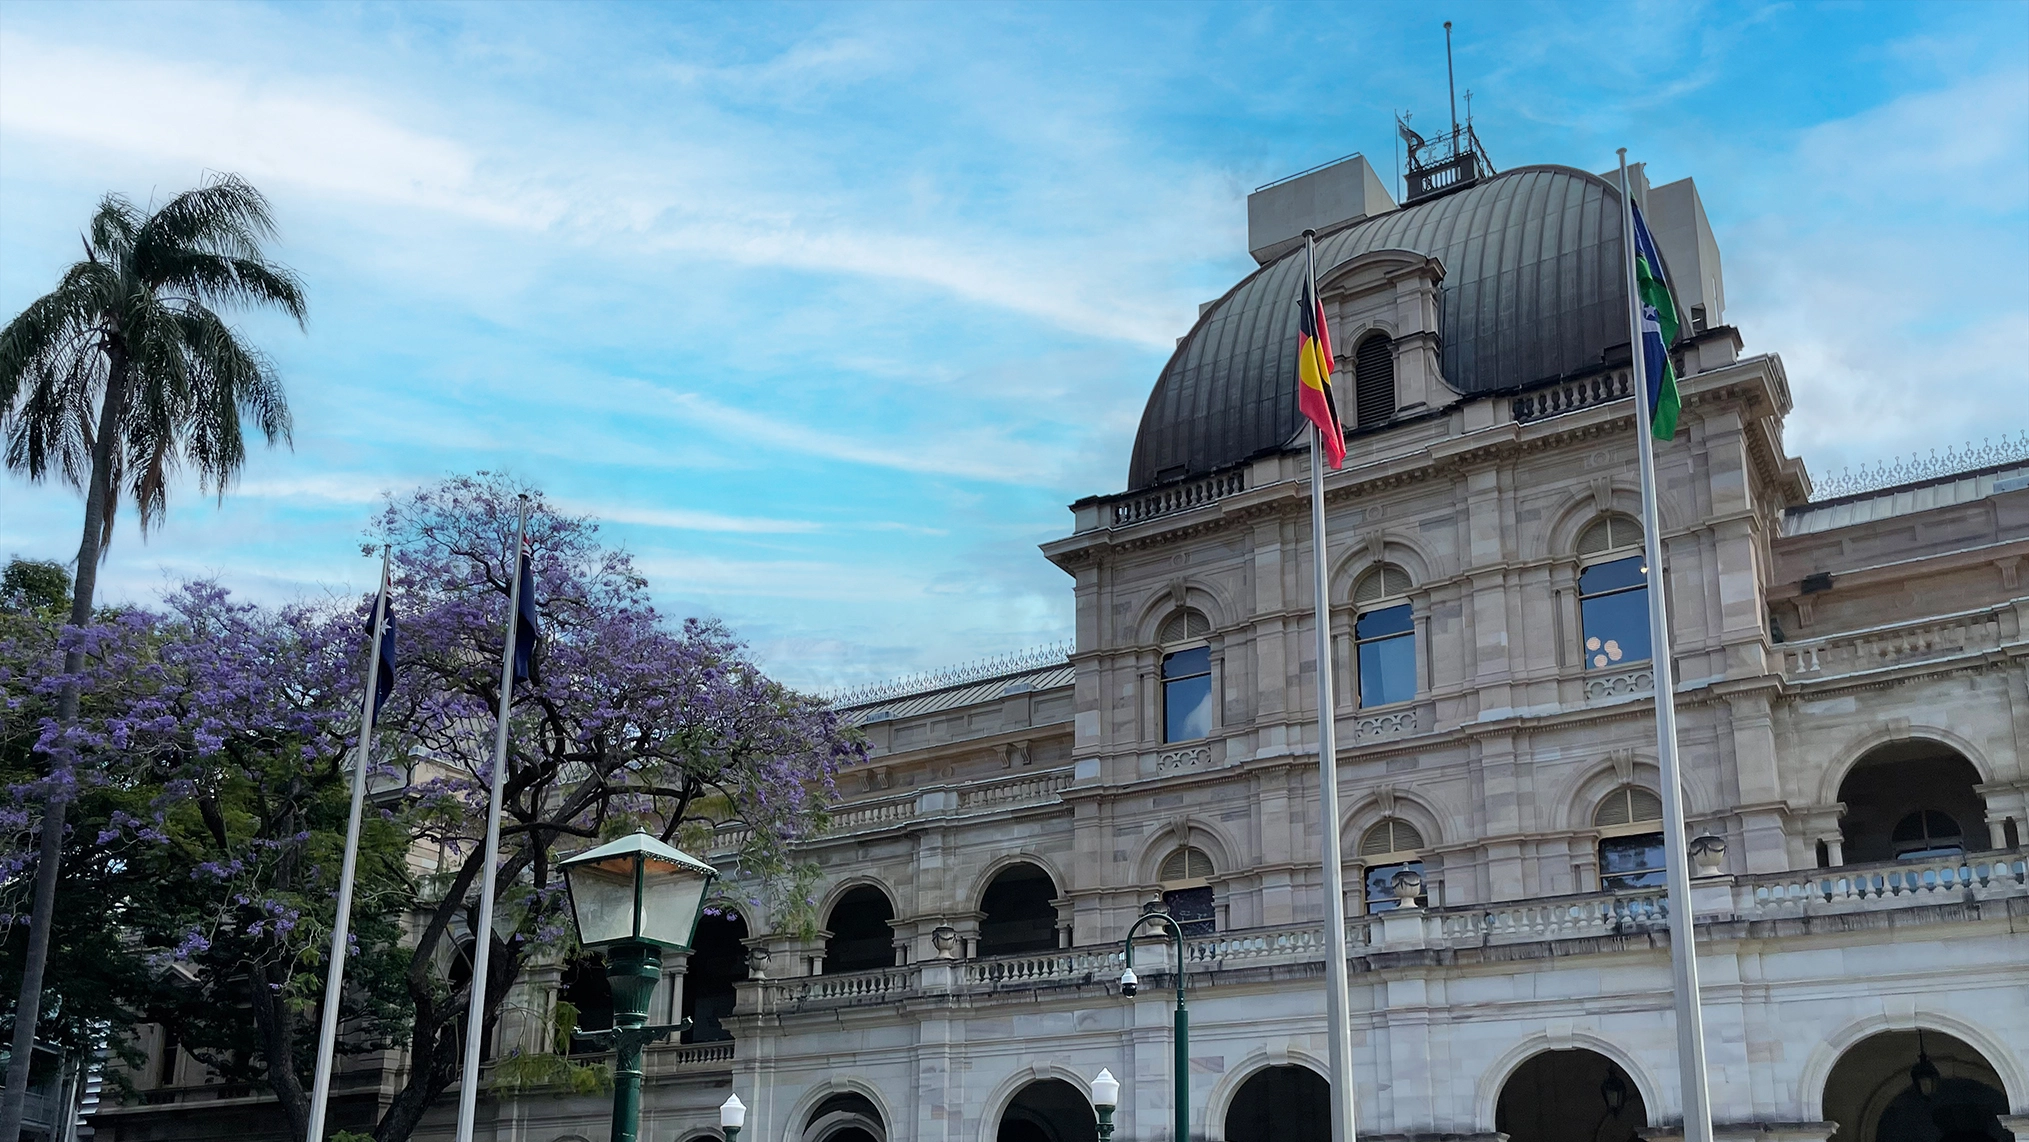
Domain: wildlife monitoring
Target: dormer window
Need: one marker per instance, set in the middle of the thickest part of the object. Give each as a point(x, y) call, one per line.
point(1374, 380)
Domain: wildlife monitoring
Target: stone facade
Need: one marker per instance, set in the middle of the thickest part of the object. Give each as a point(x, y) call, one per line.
point(1846, 668)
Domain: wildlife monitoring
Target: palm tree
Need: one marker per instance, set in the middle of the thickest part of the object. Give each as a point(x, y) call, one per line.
point(113, 380)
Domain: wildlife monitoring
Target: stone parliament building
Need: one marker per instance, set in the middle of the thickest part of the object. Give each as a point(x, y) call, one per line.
point(1854, 703)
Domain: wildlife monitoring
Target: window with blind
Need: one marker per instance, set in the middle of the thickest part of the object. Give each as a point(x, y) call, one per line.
point(1374, 380)
point(1613, 594)
point(1632, 858)
point(1186, 896)
point(1184, 626)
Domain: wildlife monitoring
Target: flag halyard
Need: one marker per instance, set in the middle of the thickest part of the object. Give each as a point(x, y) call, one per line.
point(1314, 374)
point(1660, 324)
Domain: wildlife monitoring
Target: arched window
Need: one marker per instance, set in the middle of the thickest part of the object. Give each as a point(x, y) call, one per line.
point(1187, 890)
point(1018, 914)
point(584, 986)
point(1613, 594)
point(1390, 847)
point(1630, 844)
point(1927, 833)
point(1385, 636)
point(718, 961)
point(861, 936)
point(1374, 380)
point(1186, 679)
point(1184, 626)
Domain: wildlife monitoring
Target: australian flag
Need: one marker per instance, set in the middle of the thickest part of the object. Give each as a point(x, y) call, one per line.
point(526, 633)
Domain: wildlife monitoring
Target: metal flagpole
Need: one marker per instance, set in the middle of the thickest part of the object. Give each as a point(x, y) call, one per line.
point(1683, 950)
point(1337, 1002)
point(482, 940)
point(334, 975)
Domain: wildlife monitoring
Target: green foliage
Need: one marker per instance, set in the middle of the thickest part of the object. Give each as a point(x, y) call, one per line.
point(35, 585)
point(553, 1070)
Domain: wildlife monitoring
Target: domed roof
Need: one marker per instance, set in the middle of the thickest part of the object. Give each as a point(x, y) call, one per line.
point(1534, 290)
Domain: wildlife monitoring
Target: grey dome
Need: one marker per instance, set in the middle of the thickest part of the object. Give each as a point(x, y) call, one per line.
point(1534, 290)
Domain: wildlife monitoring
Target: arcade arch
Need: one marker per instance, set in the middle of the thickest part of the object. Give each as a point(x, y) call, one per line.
point(1911, 800)
point(1048, 1110)
point(1017, 913)
point(1573, 1095)
point(862, 936)
point(718, 961)
point(1914, 1086)
point(847, 1116)
point(1285, 1103)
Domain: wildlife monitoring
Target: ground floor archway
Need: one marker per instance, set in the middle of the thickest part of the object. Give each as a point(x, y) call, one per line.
point(845, 1117)
point(1281, 1104)
point(1915, 1086)
point(1050, 1110)
point(1570, 1096)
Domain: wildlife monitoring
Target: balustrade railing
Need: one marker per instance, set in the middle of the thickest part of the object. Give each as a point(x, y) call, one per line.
point(1557, 917)
point(846, 987)
point(868, 816)
point(1571, 396)
point(695, 1056)
point(1179, 497)
point(1033, 788)
point(1932, 881)
point(1895, 644)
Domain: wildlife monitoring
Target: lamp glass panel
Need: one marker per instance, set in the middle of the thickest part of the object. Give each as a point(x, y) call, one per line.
point(602, 896)
point(670, 902)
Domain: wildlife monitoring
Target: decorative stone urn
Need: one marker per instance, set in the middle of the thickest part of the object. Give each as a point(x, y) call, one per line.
point(1407, 886)
point(944, 938)
point(757, 962)
point(1708, 855)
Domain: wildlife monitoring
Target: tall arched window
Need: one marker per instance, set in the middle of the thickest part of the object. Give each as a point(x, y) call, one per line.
point(1384, 631)
point(1187, 890)
point(1186, 678)
point(1391, 847)
point(861, 936)
point(1613, 593)
point(1630, 843)
point(1018, 915)
point(1374, 379)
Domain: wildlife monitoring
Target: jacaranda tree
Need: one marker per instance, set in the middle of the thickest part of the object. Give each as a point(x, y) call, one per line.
point(122, 375)
point(214, 737)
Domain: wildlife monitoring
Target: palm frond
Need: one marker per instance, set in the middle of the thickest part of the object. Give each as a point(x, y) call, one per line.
point(217, 280)
point(224, 216)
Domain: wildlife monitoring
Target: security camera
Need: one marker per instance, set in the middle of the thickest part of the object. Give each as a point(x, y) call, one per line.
point(1128, 984)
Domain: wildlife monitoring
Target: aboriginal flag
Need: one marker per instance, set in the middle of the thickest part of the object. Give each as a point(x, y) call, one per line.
point(1314, 375)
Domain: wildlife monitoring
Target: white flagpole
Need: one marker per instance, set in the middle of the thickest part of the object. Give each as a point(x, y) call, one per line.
point(1683, 951)
point(482, 940)
point(334, 975)
point(1337, 986)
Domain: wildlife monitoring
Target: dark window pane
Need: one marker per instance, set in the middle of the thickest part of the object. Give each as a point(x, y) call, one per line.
point(1612, 576)
point(1631, 862)
point(1388, 670)
point(1381, 885)
point(1187, 708)
point(1389, 620)
point(1192, 910)
point(1616, 629)
point(1197, 660)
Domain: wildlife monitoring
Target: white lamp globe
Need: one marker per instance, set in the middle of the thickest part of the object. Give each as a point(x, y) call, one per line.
point(1105, 1089)
point(733, 1112)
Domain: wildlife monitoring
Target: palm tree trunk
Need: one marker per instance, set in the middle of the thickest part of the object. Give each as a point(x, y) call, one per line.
point(98, 494)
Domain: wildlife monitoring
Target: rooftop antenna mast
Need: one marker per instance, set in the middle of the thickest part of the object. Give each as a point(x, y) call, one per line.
point(1450, 80)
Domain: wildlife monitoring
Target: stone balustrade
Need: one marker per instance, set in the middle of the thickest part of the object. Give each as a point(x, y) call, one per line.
point(1554, 918)
point(1979, 876)
point(1178, 497)
point(1898, 644)
point(1037, 787)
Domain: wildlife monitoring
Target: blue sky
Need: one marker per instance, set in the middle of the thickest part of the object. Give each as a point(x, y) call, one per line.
point(831, 309)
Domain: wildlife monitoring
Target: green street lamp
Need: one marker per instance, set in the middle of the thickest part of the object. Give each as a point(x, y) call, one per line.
point(634, 899)
point(1129, 985)
point(732, 1116)
point(1105, 1096)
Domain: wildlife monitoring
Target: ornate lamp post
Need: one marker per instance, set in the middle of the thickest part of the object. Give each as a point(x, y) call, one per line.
point(1129, 985)
point(1105, 1096)
point(732, 1116)
point(634, 899)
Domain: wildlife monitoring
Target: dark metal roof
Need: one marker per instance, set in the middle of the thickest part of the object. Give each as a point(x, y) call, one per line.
point(1534, 290)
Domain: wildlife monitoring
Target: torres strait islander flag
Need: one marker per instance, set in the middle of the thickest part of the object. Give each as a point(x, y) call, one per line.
point(1659, 332)
point(1314, 376)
